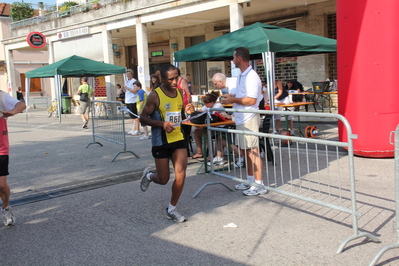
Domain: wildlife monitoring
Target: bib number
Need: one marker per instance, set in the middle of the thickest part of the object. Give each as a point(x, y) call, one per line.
point(174, 117)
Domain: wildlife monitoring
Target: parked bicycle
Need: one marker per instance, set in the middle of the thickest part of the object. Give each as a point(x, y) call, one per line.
point(53, 109)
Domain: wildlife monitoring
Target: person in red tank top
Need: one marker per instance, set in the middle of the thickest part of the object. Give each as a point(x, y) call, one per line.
point(183, 86)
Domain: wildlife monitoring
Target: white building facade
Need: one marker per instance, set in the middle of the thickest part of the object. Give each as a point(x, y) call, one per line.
point(146, 33)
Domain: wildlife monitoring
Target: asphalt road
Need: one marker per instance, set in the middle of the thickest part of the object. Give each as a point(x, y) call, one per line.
point(76, 207)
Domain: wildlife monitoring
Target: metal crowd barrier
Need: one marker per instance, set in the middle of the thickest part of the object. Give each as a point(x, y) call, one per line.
point(313, 170)
point(395, 245)
point(108, 123)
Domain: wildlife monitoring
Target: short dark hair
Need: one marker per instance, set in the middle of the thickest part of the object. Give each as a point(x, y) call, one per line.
point(243, 53)
point(138, 83)
point(165, 69)
point(85, 79)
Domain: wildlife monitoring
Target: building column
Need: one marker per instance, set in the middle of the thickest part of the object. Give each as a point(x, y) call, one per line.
point(108, 57)
point(143, 70)
point(50, 61)
point(10, 73)
point(236, 16)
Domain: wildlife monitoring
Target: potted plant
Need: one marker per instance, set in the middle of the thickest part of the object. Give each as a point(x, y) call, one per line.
point(65, 7)
point(96, 4)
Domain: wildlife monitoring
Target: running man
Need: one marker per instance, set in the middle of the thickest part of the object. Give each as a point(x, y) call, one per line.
point(164, 112)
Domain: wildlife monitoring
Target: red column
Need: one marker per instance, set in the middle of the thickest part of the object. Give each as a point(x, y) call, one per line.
point(368, 73)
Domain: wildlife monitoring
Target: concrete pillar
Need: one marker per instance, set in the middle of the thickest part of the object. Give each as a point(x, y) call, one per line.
point(11, 73)
point(108, 57)
point(142, 54)
point(236, 16)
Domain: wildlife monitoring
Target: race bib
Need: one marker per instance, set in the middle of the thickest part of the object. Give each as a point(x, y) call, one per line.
point(174, 117)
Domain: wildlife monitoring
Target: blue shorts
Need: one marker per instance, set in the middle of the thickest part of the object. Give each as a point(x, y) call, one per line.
point(4, 165)
point(166, 151)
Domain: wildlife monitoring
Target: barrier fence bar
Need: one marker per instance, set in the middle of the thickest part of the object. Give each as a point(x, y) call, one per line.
point(108, 123)
point(395, 245)
point(309, 169)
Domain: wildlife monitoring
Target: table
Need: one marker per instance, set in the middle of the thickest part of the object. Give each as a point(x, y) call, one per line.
point(296, 104)
point(204, 140)
point(316, 98)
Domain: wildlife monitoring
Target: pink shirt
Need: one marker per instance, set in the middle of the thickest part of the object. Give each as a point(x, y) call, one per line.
point(7, 103)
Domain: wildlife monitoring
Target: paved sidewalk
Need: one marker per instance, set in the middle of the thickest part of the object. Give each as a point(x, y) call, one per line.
point(120, 225)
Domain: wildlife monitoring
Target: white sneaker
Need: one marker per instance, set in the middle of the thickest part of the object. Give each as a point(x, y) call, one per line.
point(130, 132)
point(292, 132)
point(242, 186)
point(9, 217)
point(217, 161)
point(254, 191)
point(145, 137)
point(174, 215)
point(239, 163)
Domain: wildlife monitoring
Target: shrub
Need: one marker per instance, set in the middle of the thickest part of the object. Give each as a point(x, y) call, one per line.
point(20, 11)
point(67, 5)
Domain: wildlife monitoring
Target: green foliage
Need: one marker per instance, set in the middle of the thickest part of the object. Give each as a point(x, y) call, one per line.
point(20, 11)
point(67, 5)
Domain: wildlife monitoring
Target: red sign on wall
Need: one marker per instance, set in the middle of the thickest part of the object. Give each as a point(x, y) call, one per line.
point(36, 39)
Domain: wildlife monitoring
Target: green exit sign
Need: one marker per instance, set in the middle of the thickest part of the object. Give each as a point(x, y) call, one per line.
point(157, 53)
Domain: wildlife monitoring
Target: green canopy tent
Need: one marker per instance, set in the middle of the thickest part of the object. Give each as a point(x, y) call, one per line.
point(259, 38)
point(73, 66)
point(264, 42)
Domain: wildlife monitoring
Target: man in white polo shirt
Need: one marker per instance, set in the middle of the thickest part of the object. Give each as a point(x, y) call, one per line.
point(247, 96)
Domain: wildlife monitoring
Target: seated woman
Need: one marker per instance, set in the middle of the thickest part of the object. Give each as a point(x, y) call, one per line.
point(281, 97)
point(209, 102)
point(120, 94)
point(293, 85)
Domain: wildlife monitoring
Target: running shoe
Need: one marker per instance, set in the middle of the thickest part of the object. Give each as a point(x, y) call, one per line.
point(144, 182)
point(136, 133)
point(85, 123)
point(145, 137)
point(217, 161)
point(239, 163)
point(9, 217)
point(174, 215)
point(242, 186)
point(254, 191)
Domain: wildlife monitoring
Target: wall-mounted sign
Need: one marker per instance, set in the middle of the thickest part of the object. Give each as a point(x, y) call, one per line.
point(36, 39)
point(157, 53)
point(73, 33)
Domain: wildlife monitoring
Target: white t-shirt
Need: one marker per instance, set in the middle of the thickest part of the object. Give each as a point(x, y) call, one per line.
point(130, 97)
point(7, 101)
point(216, 105)
point(248, 85)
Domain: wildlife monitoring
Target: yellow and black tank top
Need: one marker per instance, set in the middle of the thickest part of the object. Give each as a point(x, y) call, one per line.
point(169, 109)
